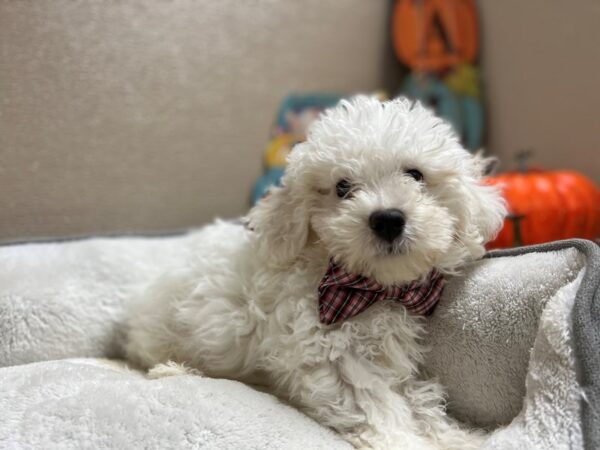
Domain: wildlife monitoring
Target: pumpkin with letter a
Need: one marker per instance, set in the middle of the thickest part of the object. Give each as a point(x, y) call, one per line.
point(547, 206)
point(435, 35)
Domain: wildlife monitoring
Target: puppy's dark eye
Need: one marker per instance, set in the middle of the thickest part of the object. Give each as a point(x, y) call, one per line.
point(417, 175)
point(343, 188)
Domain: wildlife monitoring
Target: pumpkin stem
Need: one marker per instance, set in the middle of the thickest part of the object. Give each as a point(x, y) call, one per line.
point(522, 156)
point(516, 223)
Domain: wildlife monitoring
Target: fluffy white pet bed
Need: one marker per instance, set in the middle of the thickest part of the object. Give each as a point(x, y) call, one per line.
point(515, 340)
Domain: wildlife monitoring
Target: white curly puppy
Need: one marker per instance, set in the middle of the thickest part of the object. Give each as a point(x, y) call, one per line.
point(313, 299)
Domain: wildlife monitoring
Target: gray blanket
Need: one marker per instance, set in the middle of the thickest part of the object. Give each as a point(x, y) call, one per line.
point(515, 341)
point(586, 330)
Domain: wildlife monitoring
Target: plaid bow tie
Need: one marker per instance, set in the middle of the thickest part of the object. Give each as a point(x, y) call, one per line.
point(343, 295)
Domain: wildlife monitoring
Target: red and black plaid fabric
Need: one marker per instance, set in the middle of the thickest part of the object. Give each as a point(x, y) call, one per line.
point(343, 295)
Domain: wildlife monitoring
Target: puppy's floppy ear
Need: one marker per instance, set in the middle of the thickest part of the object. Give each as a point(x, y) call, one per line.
point(281, 220)
point(485, 208)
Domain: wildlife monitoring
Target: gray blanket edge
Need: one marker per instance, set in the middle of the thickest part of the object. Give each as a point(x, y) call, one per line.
point(586, 329)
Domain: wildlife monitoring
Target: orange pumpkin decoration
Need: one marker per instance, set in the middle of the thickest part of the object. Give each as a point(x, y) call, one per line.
point(434, 35)
point(547, 206)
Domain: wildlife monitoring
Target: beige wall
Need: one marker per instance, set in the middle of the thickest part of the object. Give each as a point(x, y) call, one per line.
point(148, 115)
point(541, 60)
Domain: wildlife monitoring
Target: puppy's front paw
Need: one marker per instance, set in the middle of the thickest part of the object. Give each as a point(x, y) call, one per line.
point(171, 369)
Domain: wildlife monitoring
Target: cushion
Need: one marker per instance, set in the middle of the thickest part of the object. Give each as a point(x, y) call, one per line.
point(514, 340)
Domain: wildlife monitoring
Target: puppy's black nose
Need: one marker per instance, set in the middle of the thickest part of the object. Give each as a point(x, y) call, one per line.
point(387, 223)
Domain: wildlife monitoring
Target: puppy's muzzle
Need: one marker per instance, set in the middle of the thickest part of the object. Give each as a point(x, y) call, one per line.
point(387, 224)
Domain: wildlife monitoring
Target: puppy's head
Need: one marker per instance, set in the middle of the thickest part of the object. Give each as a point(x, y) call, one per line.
point(386, 189)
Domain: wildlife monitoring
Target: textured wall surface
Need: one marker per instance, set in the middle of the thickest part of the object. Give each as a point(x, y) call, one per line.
point(541, 60)
point(148, 115)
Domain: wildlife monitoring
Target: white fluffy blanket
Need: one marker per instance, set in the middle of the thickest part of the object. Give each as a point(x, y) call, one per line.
point(96, 404)
point(501, 344)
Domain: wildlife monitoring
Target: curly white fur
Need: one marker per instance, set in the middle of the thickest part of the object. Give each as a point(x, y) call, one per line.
point(245, 307)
